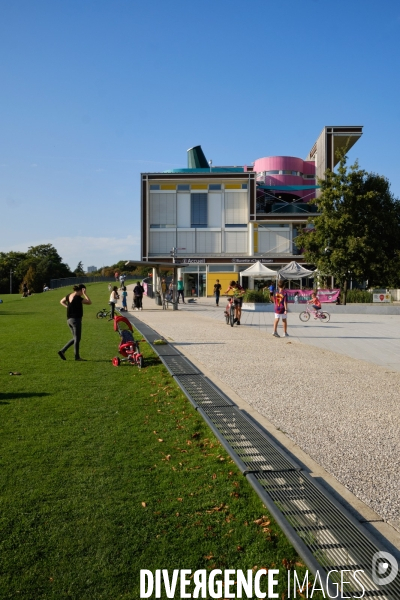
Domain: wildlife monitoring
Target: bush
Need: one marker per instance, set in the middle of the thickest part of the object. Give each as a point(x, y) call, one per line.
point(358, 296)
point(253, 296)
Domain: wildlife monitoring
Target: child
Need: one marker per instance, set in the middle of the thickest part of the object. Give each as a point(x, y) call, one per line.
point(124, 295)
point(296, 297)
point(316, 304)
point(280, 301)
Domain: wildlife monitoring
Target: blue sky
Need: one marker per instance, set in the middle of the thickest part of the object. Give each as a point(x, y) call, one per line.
point(94, 92)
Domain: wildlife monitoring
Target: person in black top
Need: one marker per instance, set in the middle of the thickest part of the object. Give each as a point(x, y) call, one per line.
point(217, 291)
point(138, 292)
point(73, 303)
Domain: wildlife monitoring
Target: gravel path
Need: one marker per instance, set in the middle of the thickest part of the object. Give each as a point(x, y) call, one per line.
point(345, 413)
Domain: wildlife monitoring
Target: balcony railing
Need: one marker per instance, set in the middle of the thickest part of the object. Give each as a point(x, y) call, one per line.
point(298, 208)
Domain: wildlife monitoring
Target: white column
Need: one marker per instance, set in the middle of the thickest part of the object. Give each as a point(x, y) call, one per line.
point(155, 278)
point(251, 239)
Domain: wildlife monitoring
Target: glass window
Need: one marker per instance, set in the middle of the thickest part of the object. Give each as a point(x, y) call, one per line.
point(272, 172)
point(198, 210)
point(154, 187)
point(244, 186)
point(182, 187)
point(214, 186)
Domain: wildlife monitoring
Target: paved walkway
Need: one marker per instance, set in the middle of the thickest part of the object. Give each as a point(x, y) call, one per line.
point(342, 411)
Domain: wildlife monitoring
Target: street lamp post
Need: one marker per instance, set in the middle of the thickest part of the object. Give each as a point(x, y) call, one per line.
point(11, 274)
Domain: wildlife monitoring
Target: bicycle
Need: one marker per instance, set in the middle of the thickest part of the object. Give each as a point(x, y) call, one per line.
point(318, 314)
point(230, 312)
point(168, 299)
point(106, 314)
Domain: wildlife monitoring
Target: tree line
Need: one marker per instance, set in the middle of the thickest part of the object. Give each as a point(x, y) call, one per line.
point(40, 264)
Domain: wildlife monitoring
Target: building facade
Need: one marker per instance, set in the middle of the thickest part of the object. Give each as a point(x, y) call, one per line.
point(216, 221)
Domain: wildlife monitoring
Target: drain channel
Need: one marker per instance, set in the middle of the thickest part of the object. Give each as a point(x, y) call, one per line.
point(323, 532)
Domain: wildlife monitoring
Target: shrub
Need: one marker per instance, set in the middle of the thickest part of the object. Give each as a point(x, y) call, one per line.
point(358, 296)
point(253, 296)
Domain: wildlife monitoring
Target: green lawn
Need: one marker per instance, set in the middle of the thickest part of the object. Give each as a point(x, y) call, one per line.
point(106, 470)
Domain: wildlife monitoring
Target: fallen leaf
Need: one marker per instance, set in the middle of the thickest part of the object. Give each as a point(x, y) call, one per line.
point(179, 499)
point(214, 476)
point(144, 504)
point(160, 440)
point(168, 457)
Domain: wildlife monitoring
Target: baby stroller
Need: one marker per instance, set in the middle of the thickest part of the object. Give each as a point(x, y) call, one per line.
point(128, 348)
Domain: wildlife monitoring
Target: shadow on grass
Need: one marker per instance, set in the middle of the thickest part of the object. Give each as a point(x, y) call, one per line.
point(21, 395)
point(11, 313)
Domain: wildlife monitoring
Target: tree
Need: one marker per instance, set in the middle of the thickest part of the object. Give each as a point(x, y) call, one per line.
point(11, 261)
point(357, 234)
point(79, 269)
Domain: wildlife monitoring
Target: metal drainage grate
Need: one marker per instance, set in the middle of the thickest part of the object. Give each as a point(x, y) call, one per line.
point(201, 392)
point(164, 350)
point(143, 328)
point(330, 533)
point(178, 365)
point(247, 441)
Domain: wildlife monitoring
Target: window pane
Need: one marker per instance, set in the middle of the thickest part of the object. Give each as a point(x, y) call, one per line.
point(198, 210)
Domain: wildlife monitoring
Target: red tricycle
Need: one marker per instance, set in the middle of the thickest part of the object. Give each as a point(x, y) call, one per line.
point(128, 347)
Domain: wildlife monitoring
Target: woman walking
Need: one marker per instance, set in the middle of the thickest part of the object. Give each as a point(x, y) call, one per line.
point(73, 303)
point(113, 301)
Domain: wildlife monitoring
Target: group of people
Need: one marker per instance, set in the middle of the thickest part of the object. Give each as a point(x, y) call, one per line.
point(167, 290)
point(279, 297)
point(138, 292)
point(74, 304)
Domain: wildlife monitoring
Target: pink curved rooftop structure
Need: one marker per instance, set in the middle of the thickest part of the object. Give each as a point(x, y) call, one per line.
point(287, 170)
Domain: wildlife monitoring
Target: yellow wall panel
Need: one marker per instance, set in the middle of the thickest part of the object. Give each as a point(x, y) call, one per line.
point(165, 186)
point(224, 279)
point(199, 186)
point(233, 186)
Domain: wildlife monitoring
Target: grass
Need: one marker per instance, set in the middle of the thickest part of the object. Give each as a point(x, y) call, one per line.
point(106, 471)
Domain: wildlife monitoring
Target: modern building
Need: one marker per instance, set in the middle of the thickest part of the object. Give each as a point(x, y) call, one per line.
point(216, 221)
point(91, 269)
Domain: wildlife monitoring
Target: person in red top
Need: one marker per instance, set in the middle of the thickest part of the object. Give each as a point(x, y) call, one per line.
point(280, 303)
point(315, 301)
